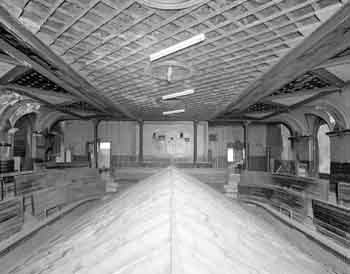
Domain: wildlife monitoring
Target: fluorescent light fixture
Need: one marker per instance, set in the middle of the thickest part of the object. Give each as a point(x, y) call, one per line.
point(182, 45)
point(178, 94)
point(174, 111)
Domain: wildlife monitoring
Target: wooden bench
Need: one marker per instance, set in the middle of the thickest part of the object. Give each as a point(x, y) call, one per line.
point(332, 220)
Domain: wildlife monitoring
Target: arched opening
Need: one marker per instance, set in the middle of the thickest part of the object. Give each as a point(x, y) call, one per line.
point(324, 153)
point(22, 142)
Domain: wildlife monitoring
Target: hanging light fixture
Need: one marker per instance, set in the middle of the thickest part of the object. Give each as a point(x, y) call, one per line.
point(182, 45)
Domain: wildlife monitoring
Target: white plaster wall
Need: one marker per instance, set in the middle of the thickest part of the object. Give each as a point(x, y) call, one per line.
point(77, 134)
point(122, 134)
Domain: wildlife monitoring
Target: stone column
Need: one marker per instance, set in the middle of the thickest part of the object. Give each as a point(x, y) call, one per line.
point(195, 141)
point(141, 141)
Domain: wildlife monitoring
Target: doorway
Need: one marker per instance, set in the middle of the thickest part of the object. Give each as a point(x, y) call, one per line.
point(104, 155)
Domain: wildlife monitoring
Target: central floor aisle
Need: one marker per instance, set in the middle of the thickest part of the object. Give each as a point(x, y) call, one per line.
point(169, 223)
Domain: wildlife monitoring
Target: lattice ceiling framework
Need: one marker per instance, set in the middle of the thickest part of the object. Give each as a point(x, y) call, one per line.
point(300, 89)
point(109, 43)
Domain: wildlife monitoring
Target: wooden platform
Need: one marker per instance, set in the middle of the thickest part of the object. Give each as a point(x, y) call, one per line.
point(169, 223)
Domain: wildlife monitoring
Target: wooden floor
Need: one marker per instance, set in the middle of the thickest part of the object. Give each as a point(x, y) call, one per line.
point(169, 223)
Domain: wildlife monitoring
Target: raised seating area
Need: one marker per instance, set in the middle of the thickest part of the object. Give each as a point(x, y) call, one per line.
point(332, 220)
point(289, 194)
point(288, 202)
point(11, 217)
point(43, 192)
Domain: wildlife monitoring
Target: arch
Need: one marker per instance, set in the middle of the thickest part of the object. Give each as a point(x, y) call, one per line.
point(337, 110)
point(7, 101)
point(49, 117)
point(14, 112)
point(321, 114)
point(294, 124)
point(24, 108)
point(11, 113)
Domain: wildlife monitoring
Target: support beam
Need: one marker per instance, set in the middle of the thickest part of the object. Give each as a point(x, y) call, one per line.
point(325, 42)
point(29, 92)
point(45, 93)
point(343, 60)
point(141, 141)
point(195, 142)
point(38, 67)
point(13, 74)
point(9, 60)
point(324, 92)
point(70, 79)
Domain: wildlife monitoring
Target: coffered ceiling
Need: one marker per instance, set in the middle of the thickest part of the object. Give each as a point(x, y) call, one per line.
point(109, 42)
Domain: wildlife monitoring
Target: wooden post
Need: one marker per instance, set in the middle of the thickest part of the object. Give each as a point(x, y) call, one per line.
point(95, 124)
point(195, 141)
point(141, 141)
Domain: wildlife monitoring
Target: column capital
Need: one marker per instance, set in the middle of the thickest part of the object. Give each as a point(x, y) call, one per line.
point(12, 130)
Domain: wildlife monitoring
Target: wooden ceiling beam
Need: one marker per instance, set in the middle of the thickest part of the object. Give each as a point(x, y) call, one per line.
point(337, 61)
point(310, 92)
point(328, 40)
point(71, 80)
point(13, 74)
point(304, 102)
point(9, 60)
point(30, 92)
point(41, 92)
point(42, 70)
